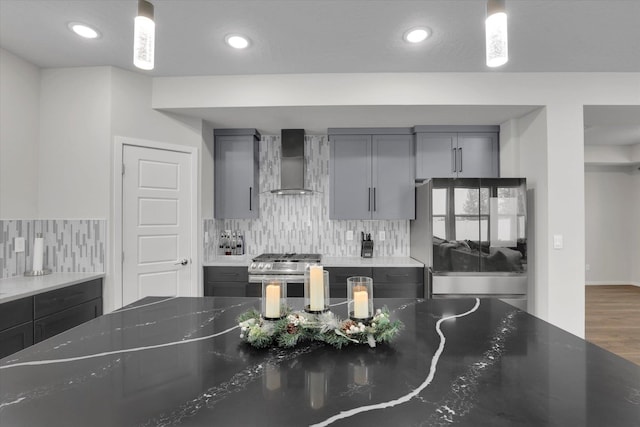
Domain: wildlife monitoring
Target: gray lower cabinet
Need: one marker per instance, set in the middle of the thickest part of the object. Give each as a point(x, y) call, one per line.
point(226, 282)
point(388, 282)
point(30, 320)
point(371, 174)
point(398, 282)
point(16, 326)
point(236, 173)
point(457, 152)
point(61, 309)
point(338, 279)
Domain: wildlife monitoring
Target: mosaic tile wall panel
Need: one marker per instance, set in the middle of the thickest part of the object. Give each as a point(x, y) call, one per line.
point(301, 223)
point(69, 245)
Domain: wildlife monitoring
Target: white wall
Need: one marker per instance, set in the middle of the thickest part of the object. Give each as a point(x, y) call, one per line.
point(610, 224)
point(74, 142)
point(19, 100)
point(531, 138)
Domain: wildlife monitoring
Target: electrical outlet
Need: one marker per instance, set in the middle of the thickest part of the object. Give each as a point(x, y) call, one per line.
point(587, 267)
point(381, 235)
point(18, 244)
point(349, 235)
point(206, 237)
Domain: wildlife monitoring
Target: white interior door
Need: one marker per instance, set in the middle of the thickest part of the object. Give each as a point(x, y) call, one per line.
point(156, 223)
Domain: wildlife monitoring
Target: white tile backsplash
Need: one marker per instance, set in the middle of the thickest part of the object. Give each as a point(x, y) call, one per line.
point(301, 223)
point(76, 245)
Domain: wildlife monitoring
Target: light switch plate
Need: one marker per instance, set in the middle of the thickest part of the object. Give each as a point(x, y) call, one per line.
point(349, 235)
point(19, 244)
point(381, 235)
point(558, 241)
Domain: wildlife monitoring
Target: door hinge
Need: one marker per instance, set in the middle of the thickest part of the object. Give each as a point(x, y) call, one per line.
point(123, 169)
point(123, 257)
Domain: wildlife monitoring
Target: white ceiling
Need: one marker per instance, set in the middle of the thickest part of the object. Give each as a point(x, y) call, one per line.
point(330, 36)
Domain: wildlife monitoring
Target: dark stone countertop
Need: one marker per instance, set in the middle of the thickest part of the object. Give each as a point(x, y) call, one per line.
point(180, 362)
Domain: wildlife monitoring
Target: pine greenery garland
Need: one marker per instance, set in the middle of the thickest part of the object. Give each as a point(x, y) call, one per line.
point(299, 326)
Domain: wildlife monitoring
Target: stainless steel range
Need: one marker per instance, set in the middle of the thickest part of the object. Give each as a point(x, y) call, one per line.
point(289, 267)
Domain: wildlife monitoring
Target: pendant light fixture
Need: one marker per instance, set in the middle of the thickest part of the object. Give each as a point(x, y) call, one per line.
point(496, 33)
point(144, 36)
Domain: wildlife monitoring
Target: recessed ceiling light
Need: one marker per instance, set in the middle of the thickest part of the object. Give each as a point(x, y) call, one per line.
point(416, 35)
point(83, 30)
point(237, 41)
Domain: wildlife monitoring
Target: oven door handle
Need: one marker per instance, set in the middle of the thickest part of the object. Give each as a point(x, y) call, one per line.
point(258, 278)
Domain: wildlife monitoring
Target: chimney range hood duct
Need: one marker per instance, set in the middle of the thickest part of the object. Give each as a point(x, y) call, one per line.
point(292, 168)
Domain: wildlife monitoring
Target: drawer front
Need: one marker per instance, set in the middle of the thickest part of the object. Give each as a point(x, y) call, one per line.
point(226, 274)
point(398, 275)
point(397, 290)
point(338, 275)
point(54, 324)
point(53, 301)
point(338, 291)
point(225, 289)
point(16, 312)
point(15, 339)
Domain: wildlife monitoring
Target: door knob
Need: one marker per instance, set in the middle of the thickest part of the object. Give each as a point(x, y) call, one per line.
point(183, 261)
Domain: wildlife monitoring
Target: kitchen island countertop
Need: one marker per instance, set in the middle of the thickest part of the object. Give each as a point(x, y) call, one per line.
point(180, 362)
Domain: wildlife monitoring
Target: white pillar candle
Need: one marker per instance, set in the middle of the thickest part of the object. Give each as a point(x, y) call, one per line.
point(272, 304)
point(317, 389)
point(360, 375)
point(316, 288)
point(360, 302)
point(38, 253)
point(273, 379)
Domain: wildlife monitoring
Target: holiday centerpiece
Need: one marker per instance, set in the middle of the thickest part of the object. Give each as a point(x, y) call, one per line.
point(279, 325)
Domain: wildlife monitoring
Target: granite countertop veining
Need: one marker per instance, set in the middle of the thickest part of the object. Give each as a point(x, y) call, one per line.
point(180, 362)
point(14, 288)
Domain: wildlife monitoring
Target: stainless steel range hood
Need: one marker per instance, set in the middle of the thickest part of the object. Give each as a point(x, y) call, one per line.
point(292, 169)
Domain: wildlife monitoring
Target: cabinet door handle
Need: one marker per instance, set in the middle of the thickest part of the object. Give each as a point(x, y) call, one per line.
point(454, 160)
point(460, 168)
point(369, 201)
point(250, 197)
point(374, 199)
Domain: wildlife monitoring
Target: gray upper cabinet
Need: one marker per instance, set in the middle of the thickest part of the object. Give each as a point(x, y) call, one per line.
point(236, 173)
point(457, 152)
point(371, 174)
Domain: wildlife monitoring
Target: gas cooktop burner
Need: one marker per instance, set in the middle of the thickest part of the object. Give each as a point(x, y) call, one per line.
point(288, 257)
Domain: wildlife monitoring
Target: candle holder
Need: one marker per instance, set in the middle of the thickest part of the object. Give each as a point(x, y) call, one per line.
point(360, 298)
point(316, 290)
point(274, 298)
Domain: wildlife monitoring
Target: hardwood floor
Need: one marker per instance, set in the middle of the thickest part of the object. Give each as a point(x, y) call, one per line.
point(612, 319)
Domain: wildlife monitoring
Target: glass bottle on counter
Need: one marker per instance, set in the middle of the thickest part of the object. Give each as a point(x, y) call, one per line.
point(227, 246)
point(240, 244)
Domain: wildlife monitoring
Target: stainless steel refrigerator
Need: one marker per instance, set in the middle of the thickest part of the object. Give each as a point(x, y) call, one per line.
point(471, 234)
